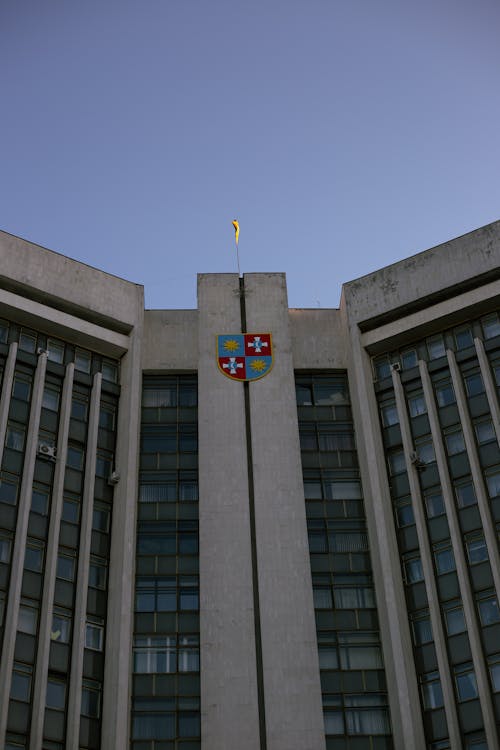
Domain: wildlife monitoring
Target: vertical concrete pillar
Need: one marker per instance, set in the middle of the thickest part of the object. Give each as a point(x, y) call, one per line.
point(49, 578)
point(431, 589)
point(489, 386)
point(229, 695)
point(292, 689)
point(461, 562)
point(120, 611)
point(82, 580)
point(17, 564)
point(8, 377)
point(404, 699)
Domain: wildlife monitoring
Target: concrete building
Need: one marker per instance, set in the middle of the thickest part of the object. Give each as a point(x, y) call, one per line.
point(307, 561)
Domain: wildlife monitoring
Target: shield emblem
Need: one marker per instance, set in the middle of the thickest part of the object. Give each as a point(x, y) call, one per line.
point(244, 356)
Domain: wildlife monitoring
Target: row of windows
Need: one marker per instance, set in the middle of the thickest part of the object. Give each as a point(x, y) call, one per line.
point(32, 342)
point(454, 618)
point(465, 683)
point(21, 687)
point(166, 654)
point(435, 347)
point(357, 714)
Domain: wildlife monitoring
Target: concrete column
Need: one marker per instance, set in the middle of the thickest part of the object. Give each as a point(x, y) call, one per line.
point(82, 580)
point(120, 612)
point(477, 476)
point(461, 562)
point(17, 564)
point(49, 579)
point(292, 690)
point(8, 378)
point(431, 589)
point(229, 695)
point(404, 699)
point(489, 386)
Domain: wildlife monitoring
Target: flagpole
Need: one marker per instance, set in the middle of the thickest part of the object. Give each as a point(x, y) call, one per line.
point(238, 258)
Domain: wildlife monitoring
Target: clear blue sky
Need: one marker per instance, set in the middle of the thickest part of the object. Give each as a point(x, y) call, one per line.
point(343, 134)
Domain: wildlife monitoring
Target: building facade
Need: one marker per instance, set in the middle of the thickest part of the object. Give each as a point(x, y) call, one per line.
point(307, 561)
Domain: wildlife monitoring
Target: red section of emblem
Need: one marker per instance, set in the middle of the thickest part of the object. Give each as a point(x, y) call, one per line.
point(257, 343)
point(233, 367)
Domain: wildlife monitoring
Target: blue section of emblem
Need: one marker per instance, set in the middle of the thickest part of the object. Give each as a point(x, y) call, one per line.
point(231, 345)
point(258, 366)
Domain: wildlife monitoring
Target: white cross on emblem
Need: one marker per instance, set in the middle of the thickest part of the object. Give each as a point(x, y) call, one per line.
point(257, 344)
point(232, 365)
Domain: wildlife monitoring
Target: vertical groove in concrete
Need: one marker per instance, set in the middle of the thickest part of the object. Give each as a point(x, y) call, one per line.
point(439, 636)
point(253, 542)
point(82, 580)
point(461, 563)
point(8, 378)
point(229, 695)
point(292, 690)
point(49, 579)
point(17, 562)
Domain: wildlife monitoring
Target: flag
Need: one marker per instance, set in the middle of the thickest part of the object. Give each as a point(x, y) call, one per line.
point(236, 230)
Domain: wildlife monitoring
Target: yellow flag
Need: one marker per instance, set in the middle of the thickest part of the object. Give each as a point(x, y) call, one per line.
point(236, 230)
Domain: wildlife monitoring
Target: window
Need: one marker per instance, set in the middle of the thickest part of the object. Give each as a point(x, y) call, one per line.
point(5, 548)
point(103, 464)
point(21, 388)
point(160, 594)
point(74, 458)
point(445, 559)
point(425, 451)
point(107, 417)
point(485, 432)
point(489, 612)
point(454, 618)
point(474, 384)
point(455, 442)
point(98, 572)
point(333, 714)
point(432, 694)
point(493, 483)
point(71, 510)
point(39, 500)
point(82, 361)
point(413, 570)
point(417, 405)
point(20, 687)
point(79, 409)
point(153, 718)
point(382, 368)
point(14, 438)
point(28, 617)
point(155, 654)
point(100, 517)
point(327, 650)
point(409, 359)
point(491, 326)
point(50, 399)
point(61, 626)
point(27, 342)
point(445, 395)
point(465, 494)
point(435, 347)
point(434, 502)
point(91, 699)
point(397, 463)
point(109, 372)
point(33, 557)
point(8, 489)
point(4, 331)
point(94, 636)
point(389, 414)
point(322, 594)
point(359, 650)
point(189, 653)
point(404, 512)
point(463, 338)
point(66, 565)
point(422, 629)
point(477, 550)
point(55, 351)
point(360, 596)
point(366, 713)
point(494, 667)
point(56, 694)
point(465, 681)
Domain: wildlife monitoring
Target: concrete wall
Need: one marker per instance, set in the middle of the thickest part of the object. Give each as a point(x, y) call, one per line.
point(318, 340)
point(170, 340)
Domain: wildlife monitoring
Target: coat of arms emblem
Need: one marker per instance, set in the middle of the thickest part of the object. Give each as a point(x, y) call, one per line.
point(244, 356)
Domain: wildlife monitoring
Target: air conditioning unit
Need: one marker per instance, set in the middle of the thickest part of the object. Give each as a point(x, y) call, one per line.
point(41, 350)
point(113, 478)
point(396, 366)
point(48, 451)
